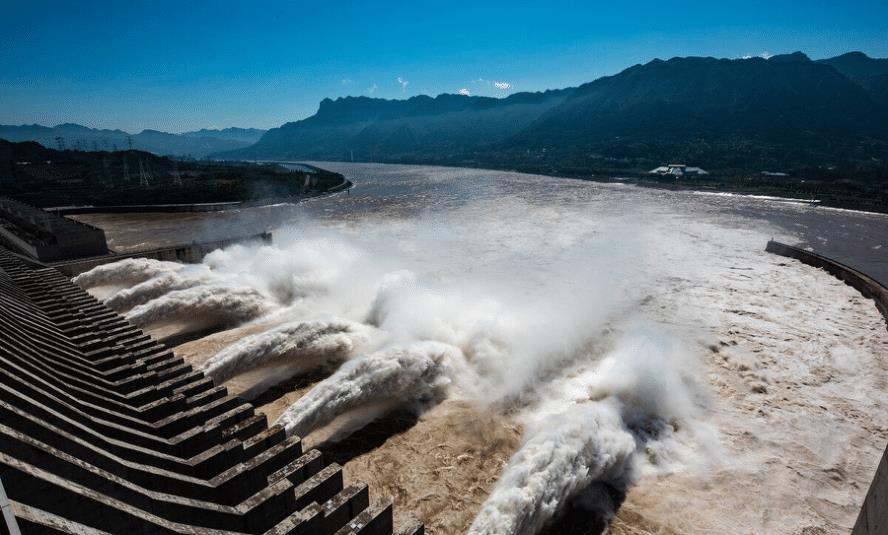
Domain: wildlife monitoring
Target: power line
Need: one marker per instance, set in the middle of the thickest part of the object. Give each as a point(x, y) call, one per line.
point(144, 176)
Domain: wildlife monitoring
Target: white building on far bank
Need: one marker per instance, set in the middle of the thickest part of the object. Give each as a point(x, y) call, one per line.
point(678, 170)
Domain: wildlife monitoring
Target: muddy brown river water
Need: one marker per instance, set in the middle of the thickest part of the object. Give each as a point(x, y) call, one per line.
point(570, 334)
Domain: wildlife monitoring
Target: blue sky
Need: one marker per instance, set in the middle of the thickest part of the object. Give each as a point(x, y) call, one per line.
point(178, 66)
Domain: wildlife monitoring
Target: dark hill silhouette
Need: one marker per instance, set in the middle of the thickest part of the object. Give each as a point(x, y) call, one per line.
point(74, 136)
point(371, 128)
point(869, 73)
point(733, 115)
point(686, 98)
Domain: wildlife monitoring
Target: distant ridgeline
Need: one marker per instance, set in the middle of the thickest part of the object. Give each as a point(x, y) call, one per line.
point(825, 119)
point(195, 144)
point(45, 177)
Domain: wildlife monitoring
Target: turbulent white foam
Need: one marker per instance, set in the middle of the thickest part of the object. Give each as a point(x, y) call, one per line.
point(587, 429)
point(560, 457)
point(302, 345)
point(125, 272)
point(209, 304)
point(421, 371)
point(157, 286)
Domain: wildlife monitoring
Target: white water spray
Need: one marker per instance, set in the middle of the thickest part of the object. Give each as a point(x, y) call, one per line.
point(302, 346)
point(588, 429)
point(163, 283)
point(560, 457)
point(213, 305)
point(126, 272)
point(419, 372)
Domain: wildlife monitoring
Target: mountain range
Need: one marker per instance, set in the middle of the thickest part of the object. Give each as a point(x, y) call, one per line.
point(786, 111)
point(196, 144)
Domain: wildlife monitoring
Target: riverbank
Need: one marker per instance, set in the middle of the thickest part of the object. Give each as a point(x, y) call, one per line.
point(126, 181)
point(861, 194)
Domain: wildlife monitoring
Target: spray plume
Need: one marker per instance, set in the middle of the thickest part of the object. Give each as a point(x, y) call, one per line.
point(157, 286)
point(302, 345)
point(212, 304)
point(125, 272)
point(588, 431)
point(584, 444)
point(422, 371)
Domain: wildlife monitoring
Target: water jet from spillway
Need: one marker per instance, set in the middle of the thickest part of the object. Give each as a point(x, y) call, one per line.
point(419, 372)
point(202, 306)
point(157, 286)
point(591, 429)
point(303, 346)
point(126, 272)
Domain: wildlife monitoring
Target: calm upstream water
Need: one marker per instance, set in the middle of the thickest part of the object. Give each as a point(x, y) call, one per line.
point(381, 190)
point(404, 192)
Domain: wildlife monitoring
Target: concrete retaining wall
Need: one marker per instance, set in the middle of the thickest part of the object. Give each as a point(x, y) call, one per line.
point(873, 517)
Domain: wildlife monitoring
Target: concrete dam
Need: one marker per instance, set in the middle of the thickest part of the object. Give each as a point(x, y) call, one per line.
point(106, 431)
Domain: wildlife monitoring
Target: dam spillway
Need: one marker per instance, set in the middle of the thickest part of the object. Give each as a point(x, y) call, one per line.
point(106, 431)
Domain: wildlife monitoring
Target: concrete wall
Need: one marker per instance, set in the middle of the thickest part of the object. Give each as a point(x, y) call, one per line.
point(873, 517)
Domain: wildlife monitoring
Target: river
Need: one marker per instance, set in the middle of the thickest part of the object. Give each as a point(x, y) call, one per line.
point(551, 336)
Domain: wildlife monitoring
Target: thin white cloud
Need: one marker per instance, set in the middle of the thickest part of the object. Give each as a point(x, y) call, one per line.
point(404, 83)
point(502, 86)
point(465, 92)
point(372, 89)
point(763, 55)
point(346, 81)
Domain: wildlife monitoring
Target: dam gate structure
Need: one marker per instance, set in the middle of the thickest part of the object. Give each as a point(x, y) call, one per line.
point(103, 430)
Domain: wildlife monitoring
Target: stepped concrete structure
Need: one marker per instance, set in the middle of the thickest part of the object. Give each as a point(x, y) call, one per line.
point(103, 430)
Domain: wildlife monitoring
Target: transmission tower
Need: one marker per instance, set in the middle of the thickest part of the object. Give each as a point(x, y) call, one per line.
point(60, 142)
point(129, 141)
point(126, 175)
point(144, 176)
